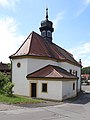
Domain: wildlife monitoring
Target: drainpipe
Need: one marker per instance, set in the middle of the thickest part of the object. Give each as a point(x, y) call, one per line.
point(11, 69)
point(80, 62)
point(77, 86)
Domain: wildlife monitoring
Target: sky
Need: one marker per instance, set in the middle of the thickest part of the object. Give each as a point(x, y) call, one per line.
point(71, 22)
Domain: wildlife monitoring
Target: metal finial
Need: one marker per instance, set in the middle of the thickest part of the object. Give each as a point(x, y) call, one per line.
point(46, 13)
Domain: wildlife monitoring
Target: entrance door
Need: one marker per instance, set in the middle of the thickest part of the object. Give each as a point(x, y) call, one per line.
point(33, 89)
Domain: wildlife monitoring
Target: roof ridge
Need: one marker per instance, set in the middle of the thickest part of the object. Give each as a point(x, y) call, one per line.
point(22, 44)
point(41, 44)
point(59, 67)
point(58, 72)
point(31, 41)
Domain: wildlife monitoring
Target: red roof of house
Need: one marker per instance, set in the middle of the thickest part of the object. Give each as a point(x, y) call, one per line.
point(51, 71)
point(35, 45)
point(4, 67)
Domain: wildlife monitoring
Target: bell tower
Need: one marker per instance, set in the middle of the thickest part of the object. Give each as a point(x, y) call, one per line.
point(46, 28)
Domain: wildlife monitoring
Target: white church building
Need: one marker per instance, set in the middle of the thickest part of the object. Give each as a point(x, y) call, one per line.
point(42, 69)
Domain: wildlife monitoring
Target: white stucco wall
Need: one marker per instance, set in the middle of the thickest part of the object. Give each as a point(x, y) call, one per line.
point(54, 89)
point(68, 66)
point(67, 89)
point(21, 85)
point(35, 64)
point(29, 65)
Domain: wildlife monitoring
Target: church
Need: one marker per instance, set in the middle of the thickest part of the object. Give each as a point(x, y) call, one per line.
point(42, 69)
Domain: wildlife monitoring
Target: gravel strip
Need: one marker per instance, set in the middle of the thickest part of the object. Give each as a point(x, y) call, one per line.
point(4, 107)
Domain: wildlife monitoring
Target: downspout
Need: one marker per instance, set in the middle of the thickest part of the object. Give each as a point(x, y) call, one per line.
point(11, 69)
point(80, 62)
point(77, 86)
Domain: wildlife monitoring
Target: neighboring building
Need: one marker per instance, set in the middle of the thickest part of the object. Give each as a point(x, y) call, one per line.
point(42, 69)
point(85, 76)
point(4, 68)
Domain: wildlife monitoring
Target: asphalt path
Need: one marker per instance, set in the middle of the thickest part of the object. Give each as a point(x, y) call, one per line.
point(73, 109)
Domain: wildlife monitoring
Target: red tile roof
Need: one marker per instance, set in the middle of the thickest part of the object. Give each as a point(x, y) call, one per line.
point(35, 45)
point(51, 71)
point(4, 67)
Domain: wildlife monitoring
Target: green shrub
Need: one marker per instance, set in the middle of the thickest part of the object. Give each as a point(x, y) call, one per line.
point(5, 84)
point(8, 88)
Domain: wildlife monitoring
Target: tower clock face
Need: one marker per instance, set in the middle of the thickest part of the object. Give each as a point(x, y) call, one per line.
point(49, 33)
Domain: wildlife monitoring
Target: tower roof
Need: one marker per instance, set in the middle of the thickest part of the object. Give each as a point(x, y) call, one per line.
point(46, 28)
point(46, 24)
point(36, 46)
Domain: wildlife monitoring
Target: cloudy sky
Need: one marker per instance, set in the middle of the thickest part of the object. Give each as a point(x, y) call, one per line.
point(71, 19)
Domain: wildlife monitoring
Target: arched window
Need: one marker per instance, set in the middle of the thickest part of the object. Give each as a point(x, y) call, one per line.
point(49, 34)
point(43, 33)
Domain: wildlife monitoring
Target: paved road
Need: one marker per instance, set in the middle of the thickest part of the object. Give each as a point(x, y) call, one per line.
point(77, 109)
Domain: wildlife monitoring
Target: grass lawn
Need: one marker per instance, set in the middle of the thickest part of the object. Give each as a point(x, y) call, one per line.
point(17, 99)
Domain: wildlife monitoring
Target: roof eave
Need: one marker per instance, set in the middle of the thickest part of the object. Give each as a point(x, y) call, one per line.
point(27, 55)
point(52, 78)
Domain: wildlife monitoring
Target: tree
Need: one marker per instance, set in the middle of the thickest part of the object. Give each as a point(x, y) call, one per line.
point(5, 84)
point(86, 70)
point(9, 65)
